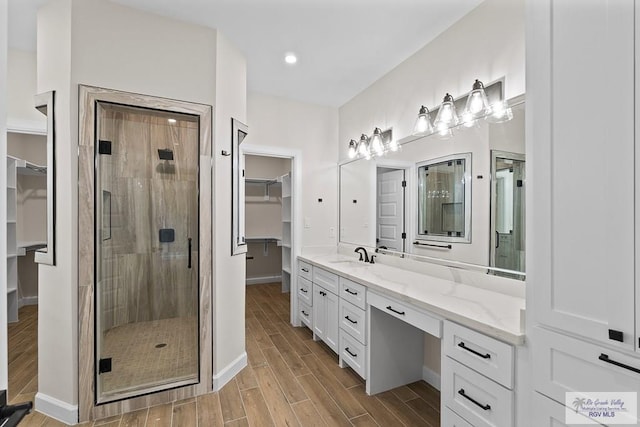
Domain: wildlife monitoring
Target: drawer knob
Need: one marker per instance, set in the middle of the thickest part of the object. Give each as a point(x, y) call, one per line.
point(303, 290)
point(464, 347)
point(472, 400)
point(305, 313)
point(348, 351)
point(401, 313)
point(305, 270)
point(349, 291)
point(605, 358)
point(352, 321)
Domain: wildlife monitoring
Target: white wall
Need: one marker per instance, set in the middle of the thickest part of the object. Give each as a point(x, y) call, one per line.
point(21, 69)
point(104, 44)
point(313, 130)
point(229, 271)
point(4, 39)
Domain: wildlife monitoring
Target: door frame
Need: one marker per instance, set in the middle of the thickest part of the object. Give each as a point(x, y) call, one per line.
point(89, 96)
point(295, 156)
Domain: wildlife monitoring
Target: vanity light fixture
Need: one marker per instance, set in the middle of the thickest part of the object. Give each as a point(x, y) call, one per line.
point(393, 145)
point(447, 117)
point(363, 147)
point(500, 112)
point(376, 145)
point(423, 124)
point(352, 149)
point(477, 105)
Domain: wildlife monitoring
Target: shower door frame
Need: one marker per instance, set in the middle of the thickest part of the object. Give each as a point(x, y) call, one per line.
point(89, 97)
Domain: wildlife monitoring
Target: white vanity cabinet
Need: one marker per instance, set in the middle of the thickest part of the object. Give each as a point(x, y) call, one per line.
point(477, 378)
point(583, 200)
point(353, 326)
point(325, 307)
point(305, 293)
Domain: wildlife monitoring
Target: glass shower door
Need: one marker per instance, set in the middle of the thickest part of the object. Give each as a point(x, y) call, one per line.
point(146, 187)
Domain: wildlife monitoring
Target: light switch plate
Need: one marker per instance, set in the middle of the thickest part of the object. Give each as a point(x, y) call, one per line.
point(307, 222)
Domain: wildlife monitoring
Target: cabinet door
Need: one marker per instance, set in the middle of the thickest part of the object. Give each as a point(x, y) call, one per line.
point(319, 312)
point(333, 323)
point(580, 156)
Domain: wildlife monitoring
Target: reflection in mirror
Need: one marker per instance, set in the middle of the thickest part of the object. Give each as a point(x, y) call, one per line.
point(238, 134)
point(507, 201)
point(390, 200)
point(361, 204)
point(44, 103)
point(444, 199)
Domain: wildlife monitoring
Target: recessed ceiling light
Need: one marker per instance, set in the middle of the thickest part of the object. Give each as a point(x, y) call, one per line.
point(171, 121)
point(290, 58)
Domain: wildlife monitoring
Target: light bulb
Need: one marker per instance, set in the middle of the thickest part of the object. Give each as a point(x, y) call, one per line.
point(477, 102)
point(423, 124)
point(352, 149)
point(376, 142)
point(447, 116)
point(500, 112)
point(363, 147)
point(468, 120)
point(393, 145)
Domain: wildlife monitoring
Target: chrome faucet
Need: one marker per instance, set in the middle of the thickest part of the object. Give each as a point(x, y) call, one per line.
point(366, 255)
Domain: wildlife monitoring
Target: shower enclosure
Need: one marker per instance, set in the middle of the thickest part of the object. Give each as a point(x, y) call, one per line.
point(144, 237)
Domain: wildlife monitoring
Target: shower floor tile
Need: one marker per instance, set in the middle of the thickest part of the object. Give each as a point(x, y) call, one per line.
point(148, 354)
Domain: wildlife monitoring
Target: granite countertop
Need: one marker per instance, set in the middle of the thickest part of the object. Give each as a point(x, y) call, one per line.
point(492, 313)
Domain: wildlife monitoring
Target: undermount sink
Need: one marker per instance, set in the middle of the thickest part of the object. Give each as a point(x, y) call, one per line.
point(350, 262)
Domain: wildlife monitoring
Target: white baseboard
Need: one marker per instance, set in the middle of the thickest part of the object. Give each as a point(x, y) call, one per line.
point(432, 378)
point(264, 279)
point(230, 371)
point(27, 301)
point(54, 408)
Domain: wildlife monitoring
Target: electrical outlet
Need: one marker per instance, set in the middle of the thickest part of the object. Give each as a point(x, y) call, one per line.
point(332, 232)
point(307, 222)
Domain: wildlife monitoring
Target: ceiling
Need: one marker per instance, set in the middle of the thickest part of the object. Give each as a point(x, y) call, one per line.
point(343, 46)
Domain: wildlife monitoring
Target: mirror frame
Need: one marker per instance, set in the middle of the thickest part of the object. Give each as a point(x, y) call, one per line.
point(466, 238)
point(45, 103)
point(238, 243)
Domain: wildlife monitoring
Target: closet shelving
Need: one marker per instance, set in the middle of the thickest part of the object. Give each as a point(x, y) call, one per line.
point(15, 166)
point(286, 231)
point(267, 183)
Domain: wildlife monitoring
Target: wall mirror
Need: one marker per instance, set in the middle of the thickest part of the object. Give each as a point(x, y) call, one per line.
point(383, 205)
point(239, 132)
point(44, 103)
point(444, 199)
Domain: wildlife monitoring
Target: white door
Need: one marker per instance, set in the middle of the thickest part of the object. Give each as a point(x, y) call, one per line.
point(390, 209)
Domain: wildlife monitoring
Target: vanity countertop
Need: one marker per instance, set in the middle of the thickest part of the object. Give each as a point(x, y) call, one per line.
point(492, 313)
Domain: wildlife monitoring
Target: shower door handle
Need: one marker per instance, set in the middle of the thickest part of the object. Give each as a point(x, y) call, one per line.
point(189, 249)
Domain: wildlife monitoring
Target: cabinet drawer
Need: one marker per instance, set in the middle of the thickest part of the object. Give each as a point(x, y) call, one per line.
point(405, 312)
point(562, 363)
point(353, 292)
point(305, 291)
point(480, 401)
point(451, 419)
point(305, 270)
point(353, 321)
point(549, 413)
point(353, 353)
point(305, 314)
point(486, 355)
point(326, 279)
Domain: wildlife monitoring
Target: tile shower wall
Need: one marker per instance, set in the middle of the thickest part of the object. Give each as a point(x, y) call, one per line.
point(142, 278)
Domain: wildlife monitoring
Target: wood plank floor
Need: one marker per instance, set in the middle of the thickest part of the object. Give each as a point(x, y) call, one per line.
point(290, 381)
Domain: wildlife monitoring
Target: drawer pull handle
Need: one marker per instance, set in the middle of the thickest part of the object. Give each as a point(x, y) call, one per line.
point(352, 354)
point(324, 294)
point(305, 270)
point(401, 313)
point(352, 321)
point(305, 313)
point(303, 290)
point(605, 358)
point(463, 394)
point(349, 291)
point(484, 356)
